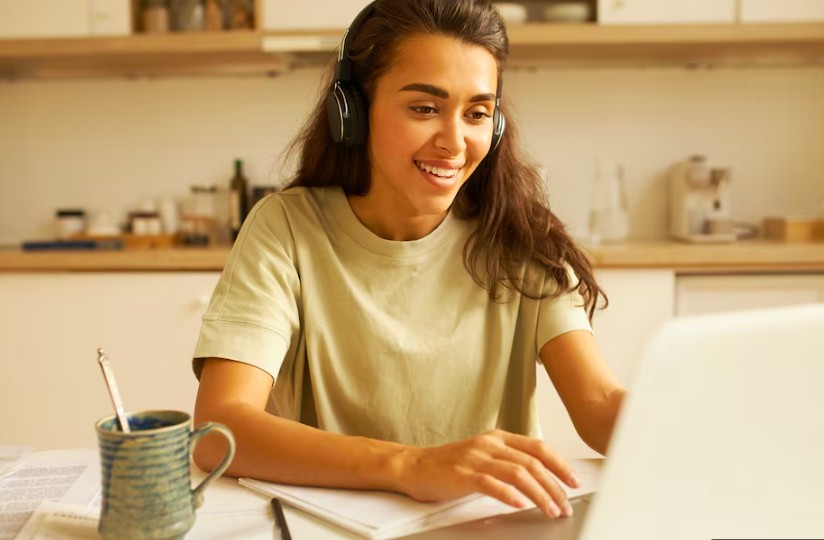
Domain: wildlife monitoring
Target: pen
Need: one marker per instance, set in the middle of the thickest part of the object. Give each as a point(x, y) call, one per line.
point(280, 521)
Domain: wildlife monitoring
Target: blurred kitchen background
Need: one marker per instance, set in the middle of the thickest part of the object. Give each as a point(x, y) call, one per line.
point(110, 137)
point(651, 119)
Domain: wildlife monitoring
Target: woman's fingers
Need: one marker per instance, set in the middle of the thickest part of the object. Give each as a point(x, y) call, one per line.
point(528, 483)
point(543, 489)
point(503, 491)
point(542, 452)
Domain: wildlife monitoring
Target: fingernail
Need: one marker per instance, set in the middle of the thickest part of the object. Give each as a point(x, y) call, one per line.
point(554, 511)
point(567, 509)
point(574, 481)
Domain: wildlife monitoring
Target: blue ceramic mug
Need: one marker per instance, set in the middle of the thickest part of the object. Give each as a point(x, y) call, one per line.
point(147, 491)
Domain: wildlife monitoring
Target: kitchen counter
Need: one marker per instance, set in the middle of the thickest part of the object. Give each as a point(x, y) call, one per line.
point(176, 259)
point(743, 256)
point(748, 256)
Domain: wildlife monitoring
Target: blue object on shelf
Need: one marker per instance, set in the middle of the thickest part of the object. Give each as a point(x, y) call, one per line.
point(71, 245)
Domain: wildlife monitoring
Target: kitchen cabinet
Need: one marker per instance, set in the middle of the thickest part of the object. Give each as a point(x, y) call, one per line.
point(640, 301)
point(665, 11)
point(51, 324)
point(44, 18)
point(697, 295)
point(769, 11)
point(309, 14)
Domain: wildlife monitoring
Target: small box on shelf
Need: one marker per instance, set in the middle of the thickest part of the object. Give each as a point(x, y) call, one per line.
point(794, 229)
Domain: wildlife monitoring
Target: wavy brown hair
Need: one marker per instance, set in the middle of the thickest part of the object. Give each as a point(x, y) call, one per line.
point(505, 194)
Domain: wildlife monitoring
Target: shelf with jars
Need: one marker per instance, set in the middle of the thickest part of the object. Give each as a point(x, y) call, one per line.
point(216, 37)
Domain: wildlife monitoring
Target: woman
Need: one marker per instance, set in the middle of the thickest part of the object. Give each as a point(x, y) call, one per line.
point(377, 325)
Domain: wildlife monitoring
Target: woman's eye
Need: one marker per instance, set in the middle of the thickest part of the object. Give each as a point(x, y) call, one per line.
point(423, 109)
point(478, 115)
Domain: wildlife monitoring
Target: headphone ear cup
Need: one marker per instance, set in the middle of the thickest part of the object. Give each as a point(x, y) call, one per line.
point(359, 119)
point(498, 127)
point(335, 110)
point(347, 116)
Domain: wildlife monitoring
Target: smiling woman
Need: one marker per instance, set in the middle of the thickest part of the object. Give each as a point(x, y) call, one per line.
point(378, 323)
point(428, 137)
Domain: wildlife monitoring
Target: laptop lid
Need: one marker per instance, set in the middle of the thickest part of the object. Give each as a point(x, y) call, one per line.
point(722, 434)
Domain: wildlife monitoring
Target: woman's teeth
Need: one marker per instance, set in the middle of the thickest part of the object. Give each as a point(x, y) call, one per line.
point(437, 171)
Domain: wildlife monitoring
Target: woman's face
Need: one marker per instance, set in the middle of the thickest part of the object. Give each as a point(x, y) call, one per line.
point(430, 125)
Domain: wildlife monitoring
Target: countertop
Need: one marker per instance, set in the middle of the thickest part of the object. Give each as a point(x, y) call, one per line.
point(745, 256)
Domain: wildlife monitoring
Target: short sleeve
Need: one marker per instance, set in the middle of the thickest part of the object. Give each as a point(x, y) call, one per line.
point(559, 314)
point(253, 313)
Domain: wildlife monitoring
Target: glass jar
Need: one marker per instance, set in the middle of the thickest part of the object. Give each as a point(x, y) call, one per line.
point(187, 15)
point(155, 16)
point(71, 222)
point(241, 14)
point(198, 222)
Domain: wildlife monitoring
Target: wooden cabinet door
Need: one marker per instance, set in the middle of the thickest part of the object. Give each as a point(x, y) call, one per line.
point(698, 295)
point(639, 302)
point(51, 388)
point(760, 11)
point(665, 11)
point(44, 18)
point(310, 14)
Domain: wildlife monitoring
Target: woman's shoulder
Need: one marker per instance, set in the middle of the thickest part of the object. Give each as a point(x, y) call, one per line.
point(296, 202)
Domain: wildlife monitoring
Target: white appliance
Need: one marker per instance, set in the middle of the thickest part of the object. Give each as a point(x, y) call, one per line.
point(699, 202)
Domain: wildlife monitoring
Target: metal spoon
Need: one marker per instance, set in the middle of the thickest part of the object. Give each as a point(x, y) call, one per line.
point(111, 385)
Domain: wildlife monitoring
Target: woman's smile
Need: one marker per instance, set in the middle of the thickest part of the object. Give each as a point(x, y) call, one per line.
point(439, 174)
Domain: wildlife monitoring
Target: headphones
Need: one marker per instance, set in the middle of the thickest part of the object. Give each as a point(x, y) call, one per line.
point(347, 110)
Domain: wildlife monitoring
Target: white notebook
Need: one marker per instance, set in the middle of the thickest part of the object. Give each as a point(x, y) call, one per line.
point(381, 515)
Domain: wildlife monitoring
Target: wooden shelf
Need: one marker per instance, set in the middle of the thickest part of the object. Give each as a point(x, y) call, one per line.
point(255, 52)
point(711, 44)
point(206, 53)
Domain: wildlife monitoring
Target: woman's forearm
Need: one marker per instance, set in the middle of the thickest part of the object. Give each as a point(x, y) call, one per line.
point(596, 431)
point(512, 468)
point(278, 450)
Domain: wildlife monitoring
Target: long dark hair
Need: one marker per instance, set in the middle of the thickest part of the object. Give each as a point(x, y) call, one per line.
point(516, 229)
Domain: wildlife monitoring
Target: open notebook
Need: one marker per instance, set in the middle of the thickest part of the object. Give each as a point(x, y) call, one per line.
point(380, 515)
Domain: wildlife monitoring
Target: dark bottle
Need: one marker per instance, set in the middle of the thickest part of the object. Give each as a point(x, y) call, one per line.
point(238, 199)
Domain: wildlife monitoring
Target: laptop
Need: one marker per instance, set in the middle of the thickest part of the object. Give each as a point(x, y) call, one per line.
point(722, 436)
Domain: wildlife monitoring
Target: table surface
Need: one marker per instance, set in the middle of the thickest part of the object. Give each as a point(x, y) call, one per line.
point(232, 511)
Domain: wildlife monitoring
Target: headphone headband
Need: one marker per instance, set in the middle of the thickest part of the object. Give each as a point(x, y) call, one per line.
point(343, 69)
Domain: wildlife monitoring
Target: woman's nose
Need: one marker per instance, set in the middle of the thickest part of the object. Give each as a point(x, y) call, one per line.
point(450, 136)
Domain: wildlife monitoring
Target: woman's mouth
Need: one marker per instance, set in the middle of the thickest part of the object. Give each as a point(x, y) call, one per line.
point(437, 171)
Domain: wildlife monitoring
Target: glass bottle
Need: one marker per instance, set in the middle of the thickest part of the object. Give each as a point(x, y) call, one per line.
point(238, 199)
point(608, 215)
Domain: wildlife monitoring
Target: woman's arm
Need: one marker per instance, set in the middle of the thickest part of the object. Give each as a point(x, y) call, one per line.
point(509, 467)
point(590, 392)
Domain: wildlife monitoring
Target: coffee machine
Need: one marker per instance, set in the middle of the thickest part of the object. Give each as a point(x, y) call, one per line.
point(699, 202)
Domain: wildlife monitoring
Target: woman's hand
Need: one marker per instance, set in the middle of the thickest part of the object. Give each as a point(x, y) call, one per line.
point(511, 468)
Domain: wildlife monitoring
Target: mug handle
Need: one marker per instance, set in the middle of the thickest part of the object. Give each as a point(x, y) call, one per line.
point(194, 437)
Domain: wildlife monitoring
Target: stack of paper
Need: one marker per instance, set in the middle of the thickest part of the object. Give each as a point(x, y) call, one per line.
point(59, 476)
point(381, 515)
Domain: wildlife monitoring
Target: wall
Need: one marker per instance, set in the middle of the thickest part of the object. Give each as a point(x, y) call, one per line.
point(110, 144)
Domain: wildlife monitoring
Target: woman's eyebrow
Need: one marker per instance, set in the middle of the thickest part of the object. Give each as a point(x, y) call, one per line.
point(437, 91)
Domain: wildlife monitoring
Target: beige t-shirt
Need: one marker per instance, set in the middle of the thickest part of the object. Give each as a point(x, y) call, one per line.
point(383, 339)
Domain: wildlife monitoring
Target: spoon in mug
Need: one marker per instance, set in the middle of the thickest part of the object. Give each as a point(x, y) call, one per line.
point(111, 385)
